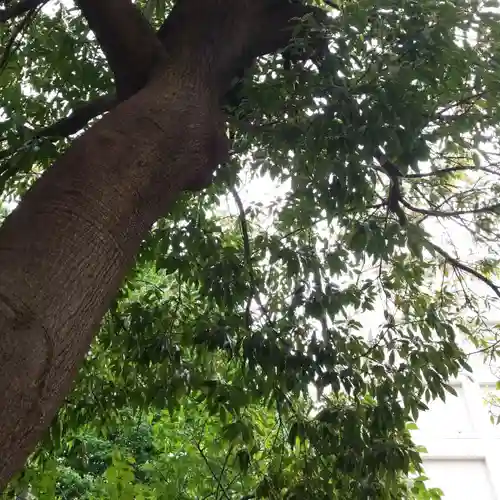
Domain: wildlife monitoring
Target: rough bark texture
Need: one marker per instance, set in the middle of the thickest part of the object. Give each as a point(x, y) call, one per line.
point(66, 248)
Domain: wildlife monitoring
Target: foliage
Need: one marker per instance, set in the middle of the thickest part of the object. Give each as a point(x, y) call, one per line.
point(195, 455)
point(235, 361)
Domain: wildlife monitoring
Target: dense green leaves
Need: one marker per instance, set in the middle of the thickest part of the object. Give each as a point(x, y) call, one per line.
point(277, 346)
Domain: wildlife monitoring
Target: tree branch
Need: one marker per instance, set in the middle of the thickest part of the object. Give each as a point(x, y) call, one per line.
point(81, 116)
point(442, 203)
point(78, 118)
point(16, 31)
point(70, 125)
point(450, 170)
point(273, 27)
point(254, 294)
point(212, 472)
point(395, 195)
point(107, 26)
point(19, 8)
point(491, 208)
point(464, 267)
point(128, 41)
point(88, 111)
point(460, 102)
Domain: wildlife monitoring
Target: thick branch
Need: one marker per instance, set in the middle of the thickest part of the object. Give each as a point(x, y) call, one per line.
point(166, 34)
point(128, 41)
point(281, 22)
point(274, 31)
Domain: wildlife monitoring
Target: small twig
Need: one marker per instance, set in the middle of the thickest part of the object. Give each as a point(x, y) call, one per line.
point(214, 475)
point(485, 349)
point(224, 465)
point(396, 196)
point(461, 102)
point(248, 258)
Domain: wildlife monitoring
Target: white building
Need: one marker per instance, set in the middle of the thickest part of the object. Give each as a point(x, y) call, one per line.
point(463, 445)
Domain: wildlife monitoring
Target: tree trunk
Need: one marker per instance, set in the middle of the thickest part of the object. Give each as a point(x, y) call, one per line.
point(66, 248)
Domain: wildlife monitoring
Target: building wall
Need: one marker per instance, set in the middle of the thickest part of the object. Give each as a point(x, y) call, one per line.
point(463, 445)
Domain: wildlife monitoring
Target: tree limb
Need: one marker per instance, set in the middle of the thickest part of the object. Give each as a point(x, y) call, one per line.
point(68, 126)
point(81, 116)
point(450, 170)
point(453, 213)
point(277, 20)
point(395, 195)
point(464, 267)
point(125, 51)
point(16, 31)
point(78, 118)
point(128, 41)
point(442, 203)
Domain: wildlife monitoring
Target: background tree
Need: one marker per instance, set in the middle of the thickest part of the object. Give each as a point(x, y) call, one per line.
point(374, 124)
point(216, 438)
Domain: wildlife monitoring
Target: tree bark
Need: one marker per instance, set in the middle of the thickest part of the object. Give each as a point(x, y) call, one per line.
point(66, 248)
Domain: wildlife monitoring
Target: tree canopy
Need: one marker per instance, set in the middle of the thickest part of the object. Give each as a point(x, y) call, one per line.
point(281, 329)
